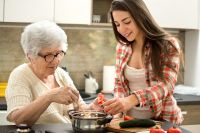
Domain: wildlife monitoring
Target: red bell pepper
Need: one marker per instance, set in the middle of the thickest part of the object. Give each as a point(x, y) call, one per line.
point(174, 130)
point(100, 98)
point(156, 130)
point(126, 118)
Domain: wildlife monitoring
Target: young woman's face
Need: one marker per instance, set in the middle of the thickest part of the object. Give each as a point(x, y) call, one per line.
point(126, 25)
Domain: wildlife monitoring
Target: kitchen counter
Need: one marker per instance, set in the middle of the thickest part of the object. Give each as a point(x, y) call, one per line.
point(187, 99)
point(181, 100)
point(62, 128)
point(3, 105)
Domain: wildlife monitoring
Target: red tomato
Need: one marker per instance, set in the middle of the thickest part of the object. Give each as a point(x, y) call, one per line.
point(126, 118)
point(100, 98)
point(156, 130)
point(174, 130)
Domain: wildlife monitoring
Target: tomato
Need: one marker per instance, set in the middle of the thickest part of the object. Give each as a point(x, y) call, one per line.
point(100, 98)
point(156, 130)
point(126, 118)
point(174, 130)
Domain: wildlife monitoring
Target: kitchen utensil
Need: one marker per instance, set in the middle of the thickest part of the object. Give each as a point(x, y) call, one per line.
point(89, 121)
point(86, 75)
point(90, 74)
point(75, 104)
point(91, 85)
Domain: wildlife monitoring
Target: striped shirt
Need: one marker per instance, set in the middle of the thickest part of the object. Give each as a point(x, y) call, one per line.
point(158, 95)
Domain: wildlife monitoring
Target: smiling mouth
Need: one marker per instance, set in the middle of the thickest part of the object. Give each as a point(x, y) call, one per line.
point(127, 35)
point(52, 67)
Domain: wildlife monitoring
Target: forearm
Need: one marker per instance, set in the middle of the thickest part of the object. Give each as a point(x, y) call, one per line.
point(29, 114)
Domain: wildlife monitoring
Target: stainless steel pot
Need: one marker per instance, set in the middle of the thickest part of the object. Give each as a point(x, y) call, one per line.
point(89, 121)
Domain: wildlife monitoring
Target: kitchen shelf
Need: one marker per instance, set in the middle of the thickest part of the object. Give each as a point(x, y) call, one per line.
point(101, 7)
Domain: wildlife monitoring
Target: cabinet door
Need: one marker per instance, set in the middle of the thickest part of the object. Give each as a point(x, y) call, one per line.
point(190, 114)
point(28, 10)
point(1, 10)
point(73, 11)
point(174, 13)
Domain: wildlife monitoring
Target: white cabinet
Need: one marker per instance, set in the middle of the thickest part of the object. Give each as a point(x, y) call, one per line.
point(73, 11)
point(175, 13)
point(28, 10)
point(1, 10)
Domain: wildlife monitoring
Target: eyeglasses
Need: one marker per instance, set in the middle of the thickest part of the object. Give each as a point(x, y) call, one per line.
point(50, 57)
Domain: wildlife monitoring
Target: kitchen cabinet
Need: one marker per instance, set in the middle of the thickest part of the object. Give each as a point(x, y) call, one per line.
point(167, 13)
point(1, 10)
point(190, 114)
point(73, 11)
point(175, 13)
point(101, 8)
point(28, 10)
point(190, 106)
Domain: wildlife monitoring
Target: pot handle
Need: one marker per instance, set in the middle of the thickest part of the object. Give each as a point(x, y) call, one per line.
point(107, 119)
point(70, 113)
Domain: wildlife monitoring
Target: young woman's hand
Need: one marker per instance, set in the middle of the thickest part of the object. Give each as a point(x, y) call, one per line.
point(63, 95)
point(118, 105)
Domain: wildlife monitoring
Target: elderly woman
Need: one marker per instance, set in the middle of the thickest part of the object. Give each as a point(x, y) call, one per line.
point(39, 91)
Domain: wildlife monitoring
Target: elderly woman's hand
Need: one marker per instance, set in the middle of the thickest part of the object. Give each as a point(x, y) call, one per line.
point(63, 95)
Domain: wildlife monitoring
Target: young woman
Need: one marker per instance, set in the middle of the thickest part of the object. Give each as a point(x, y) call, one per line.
point(147, 64)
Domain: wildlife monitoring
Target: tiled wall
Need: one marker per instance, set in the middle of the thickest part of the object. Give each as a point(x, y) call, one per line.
point(89, 50)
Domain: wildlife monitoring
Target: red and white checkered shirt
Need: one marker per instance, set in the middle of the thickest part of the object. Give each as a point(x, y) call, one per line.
point(158, 95)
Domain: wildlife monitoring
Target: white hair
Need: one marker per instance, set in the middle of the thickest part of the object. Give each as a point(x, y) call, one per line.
point(42, 34)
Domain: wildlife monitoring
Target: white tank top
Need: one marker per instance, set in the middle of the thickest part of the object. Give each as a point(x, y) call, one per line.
point(136, 78)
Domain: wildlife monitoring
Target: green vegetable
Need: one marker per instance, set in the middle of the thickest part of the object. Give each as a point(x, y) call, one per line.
point(137, 123)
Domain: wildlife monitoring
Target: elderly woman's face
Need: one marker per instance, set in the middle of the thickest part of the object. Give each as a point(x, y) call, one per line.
point(48, 60)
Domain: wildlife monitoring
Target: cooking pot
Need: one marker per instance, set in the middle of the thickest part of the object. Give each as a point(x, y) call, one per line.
point(89, 121)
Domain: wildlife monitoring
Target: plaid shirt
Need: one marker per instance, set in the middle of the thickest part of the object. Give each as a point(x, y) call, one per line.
point(158, 95)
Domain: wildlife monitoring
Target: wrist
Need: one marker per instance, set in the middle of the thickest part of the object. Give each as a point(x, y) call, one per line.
point(134, 100)
point(91, 106)
point(49, 97)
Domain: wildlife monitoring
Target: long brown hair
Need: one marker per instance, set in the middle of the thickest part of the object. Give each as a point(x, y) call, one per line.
point(154, 34)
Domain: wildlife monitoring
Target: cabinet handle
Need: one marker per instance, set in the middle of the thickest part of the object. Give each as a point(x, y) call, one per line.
point(184, 112)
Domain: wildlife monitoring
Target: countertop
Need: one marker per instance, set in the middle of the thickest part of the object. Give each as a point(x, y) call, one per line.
point(187, 99)
point(62, 128)
point(66, 128)
point(181, 100)
point(3, 105)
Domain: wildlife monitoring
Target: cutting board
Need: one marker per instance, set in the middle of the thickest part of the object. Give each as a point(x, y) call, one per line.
point(114, 127)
